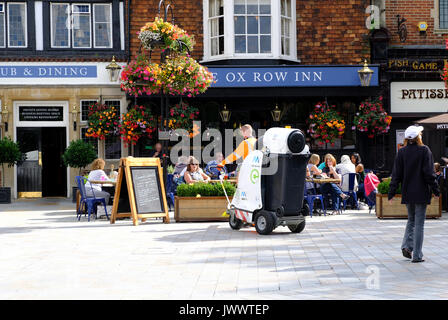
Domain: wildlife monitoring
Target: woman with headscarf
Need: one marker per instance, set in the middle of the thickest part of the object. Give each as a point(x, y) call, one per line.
point(345, 167)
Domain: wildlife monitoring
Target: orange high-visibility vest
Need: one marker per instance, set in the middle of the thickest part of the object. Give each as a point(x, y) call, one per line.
point(243, 150)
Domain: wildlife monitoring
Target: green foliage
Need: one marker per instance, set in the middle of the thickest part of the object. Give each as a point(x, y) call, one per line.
point(10, 153)
point(79, 154)
point(170, 169)
point(205, 189)
point(384, 186)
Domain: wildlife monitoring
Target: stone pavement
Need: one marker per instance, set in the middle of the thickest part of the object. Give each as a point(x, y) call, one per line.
point(46, 254)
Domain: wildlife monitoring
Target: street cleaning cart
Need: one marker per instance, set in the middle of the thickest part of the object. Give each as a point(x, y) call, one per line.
point(271, 184)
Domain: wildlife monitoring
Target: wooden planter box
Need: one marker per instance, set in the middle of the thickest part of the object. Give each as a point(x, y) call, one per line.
point(397, 210)
point(200, 209)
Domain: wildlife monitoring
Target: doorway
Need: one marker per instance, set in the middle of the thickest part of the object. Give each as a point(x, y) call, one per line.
point(43, 173)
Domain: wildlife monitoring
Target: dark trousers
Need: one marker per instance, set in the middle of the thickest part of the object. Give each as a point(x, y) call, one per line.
point(334, 191)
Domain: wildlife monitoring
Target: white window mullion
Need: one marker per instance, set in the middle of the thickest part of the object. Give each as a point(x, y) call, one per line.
point(229, 29)
point(122, 37)
point(3, 25)
point(39, 26)
point(293, 42)
point(276, 36)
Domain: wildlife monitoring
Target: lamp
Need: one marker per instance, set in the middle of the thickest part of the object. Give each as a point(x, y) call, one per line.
point(5, 116)
point(114, 70)
point(75, 115)
point(276, 114)
point(225, 114)
point(365, 75)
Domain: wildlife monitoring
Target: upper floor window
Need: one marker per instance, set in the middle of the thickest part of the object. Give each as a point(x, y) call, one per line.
point(81, 26)
point(443, 14)
point(249, 29)
point(13, 25)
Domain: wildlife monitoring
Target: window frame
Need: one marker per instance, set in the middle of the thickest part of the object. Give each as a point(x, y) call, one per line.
point(4, 24)
point(7, 40)
point(72, 44)
point(81, 128)
point(229, 35)
point(51, 27)
point(111, 38)
point(80, 109)
point(104, 101)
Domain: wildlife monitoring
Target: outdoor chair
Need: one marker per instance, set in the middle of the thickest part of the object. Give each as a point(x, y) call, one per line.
point(170, 189)
point(89, 203)
point(351, 189)
point(310, 198)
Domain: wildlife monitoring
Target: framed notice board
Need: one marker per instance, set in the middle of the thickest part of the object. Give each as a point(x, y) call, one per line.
point(140, 191)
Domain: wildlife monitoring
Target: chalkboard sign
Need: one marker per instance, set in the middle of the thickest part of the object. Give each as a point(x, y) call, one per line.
point(140, 192)
point(147, 189)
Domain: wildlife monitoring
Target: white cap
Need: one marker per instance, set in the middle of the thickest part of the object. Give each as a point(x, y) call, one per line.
point(412, 132)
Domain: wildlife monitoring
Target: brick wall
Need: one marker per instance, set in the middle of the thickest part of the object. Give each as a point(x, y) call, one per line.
point(414, 11)
point(328, 32)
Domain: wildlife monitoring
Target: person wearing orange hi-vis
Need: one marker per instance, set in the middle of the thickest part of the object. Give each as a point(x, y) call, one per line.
point(244, 148)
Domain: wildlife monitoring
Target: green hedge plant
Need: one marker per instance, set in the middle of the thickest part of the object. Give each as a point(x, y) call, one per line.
point(384, 186)
point(205, 189)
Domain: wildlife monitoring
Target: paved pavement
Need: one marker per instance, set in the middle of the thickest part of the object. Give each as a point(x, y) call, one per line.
point(46, 254)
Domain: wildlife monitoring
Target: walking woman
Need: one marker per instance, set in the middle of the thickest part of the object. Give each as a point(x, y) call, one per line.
point(414, 169)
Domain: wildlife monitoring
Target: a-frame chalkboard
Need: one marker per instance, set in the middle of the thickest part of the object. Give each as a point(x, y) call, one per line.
point(140, 192)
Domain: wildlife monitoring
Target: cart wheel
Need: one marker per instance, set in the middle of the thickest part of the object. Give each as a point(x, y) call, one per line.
point(234, 222)
point(264, 223)
point(297, 228)
point(305, 209)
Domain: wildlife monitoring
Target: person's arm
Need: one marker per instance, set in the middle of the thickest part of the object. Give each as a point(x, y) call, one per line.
point(315, 170)
point(335, 174)
point(397, 175)
point(187, 177)
point(240, 151)
point(428, 172)
point(206, 177)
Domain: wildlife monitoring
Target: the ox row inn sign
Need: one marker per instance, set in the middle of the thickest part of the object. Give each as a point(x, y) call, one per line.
point(289, 76)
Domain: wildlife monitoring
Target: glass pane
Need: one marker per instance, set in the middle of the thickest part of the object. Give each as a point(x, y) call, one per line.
point(221, 7)
point(240, 25)
point(214, 46)
point(282, 7)
point(2, 29)
point(92, 141)
point(85, 104)
point(17, 24)
point(252, 44)
point(265, 44)
point(81, 30)
point(265, 25)
point(252, 25)
point(221, 45)
point(113, 147)
point(81, 8)
point(214, 27)
point(60, 25)
point(265, 6)
point(252, 6)
point(288, 8)
point(212, 8)
point(285, 27)
point(285, 46)
point(240, 44)
point(239, 7)
point(103, 35)
point(221, 26)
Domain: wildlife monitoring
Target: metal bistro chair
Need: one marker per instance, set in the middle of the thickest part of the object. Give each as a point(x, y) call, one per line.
point(170, 189)
point(90, 202)
point(351, 189)
point(310, 198)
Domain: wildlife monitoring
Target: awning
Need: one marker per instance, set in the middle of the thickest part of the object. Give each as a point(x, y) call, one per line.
point(439, 122)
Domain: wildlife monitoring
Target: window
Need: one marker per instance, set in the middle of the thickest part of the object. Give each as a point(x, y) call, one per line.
point(74, 25)
point(112, 144)
point(248, 29)
point(13, 25)
point(443, 14)
point(85, 104)
point(92, 141)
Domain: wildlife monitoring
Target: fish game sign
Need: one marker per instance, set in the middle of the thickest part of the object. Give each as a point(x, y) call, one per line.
point(289, 76)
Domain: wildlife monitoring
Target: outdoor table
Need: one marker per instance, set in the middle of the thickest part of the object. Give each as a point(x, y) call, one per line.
point(228, 180)
point(323, 180)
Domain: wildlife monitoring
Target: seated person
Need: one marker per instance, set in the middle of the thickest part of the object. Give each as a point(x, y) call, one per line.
point(313, 170)
point(179, 170)
point(97, 174)
point(322, 165)
point(211, 168)
point(193, 173)
point(345, 168)
point(438, 171)
point(331, 188)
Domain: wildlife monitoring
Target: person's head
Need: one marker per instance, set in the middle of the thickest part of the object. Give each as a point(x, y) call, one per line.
point(330, 160)
point(219, 157)
point(355, 158)
point(314, 159)
point(193, 164)
point(158, 147)
point(246, 131)
point(182, 160)
point(345, 159)
point(437, 167)
point(413, 135)
point(98, 164)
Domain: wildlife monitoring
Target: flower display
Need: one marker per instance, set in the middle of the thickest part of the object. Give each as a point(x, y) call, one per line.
point(138, 122)
point(169, 35)
point(372, 118)
point(325, 125)
point(141, 77)
point(181, 116)
point(103, 121)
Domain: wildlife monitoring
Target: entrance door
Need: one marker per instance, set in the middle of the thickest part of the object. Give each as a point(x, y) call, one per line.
point(29, 173)
point(43, 174)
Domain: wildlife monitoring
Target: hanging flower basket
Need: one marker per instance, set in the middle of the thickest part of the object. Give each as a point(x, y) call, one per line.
point(103, 121)
point(165, 35)
point(371, 118)
point(182, 115)
point(141, 77)
point(325, 125)
point(138, 122)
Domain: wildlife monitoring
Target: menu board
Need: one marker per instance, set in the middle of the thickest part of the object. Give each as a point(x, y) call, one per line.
point(146, 189)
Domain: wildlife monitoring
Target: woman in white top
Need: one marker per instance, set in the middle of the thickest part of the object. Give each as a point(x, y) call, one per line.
point(313, 171)
point(193, 173)
point(345, 167)
point(97, 174)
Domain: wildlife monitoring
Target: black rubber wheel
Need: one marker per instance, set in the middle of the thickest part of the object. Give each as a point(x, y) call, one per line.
point(264, 223)
point(297, 228)
point(235, 223)
point(305, 209)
